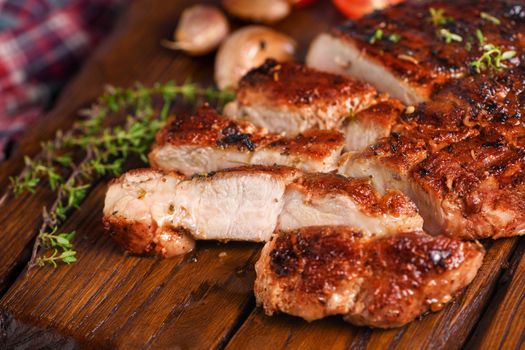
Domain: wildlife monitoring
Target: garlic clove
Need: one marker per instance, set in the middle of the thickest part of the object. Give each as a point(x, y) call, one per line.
point(265, 11)
point(200, 30)
point(248, 48)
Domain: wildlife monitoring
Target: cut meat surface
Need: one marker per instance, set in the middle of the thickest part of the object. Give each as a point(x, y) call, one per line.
point(371, 124)
point(403, 50)
point(144, 207)
point(238, 204)
point(329, 199)
point(291, 98)
point(382, 282)
point(206, 141)
point(136, 213)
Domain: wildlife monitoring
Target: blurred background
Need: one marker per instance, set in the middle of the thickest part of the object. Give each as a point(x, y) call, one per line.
point(42, 45)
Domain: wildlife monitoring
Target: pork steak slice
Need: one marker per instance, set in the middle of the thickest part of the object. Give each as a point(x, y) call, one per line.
point(206, 141)
point(150, 211)
point(408, 49)
point(291, 98)
point(383, 282)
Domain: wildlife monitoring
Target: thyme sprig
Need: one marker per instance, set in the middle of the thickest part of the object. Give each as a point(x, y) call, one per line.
point(449, 36)
point(438, 17)
point(490, 18)
point(379, 34)
point(73, 161)
point(492, 58)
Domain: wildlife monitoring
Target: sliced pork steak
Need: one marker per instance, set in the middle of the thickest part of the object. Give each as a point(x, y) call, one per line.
point(459, 157)
point(408, 49)
point(206, 141)
point(290, 98)
point(328, 199)
point(150, 211)
point(382, 282)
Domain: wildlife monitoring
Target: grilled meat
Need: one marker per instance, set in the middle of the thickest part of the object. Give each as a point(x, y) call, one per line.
point(206, 141)
point(408, 49)
point(328, 199)
point(136, 213)
point(371, 124)
point(236, 204)
point(291, 98)
point(375, 281)
point(145, 208)
point(459, 157)
point(469, 189)
point(494, 101)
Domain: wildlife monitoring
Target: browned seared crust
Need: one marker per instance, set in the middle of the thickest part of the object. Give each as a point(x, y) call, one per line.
point(134, 236)
point(278, 170)
point(362, 192)
point(208, 128)
point(464, 148)
point(383, 114)
point(398, 151)
point(313, 143)
point(421, 57)
point(293, 84)
point(383, 282)
point(474, 176)
point(463, 106)
point(141, 238)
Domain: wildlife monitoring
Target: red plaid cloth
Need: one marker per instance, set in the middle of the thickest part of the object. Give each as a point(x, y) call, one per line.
point(42, 42)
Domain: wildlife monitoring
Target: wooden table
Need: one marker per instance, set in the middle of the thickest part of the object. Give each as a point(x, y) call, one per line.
point(203, 300)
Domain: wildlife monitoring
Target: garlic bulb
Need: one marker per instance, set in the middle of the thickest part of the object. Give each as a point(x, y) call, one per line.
point(247, 48)
point(201, 29)
point(266, 11)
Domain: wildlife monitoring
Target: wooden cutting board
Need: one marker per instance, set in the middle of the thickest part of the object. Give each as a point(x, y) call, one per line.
point(205, 299)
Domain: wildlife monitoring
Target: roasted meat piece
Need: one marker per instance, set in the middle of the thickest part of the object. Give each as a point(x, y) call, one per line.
point(328, 199)
point(143, 206)
point(375, 281)
point(150, 211)
point(206, 141)
point(473, 188)
point(135, 213)
point(291, 98)
point(371, 124)
point(459, 157)
point(408, 49)
point(463, 106)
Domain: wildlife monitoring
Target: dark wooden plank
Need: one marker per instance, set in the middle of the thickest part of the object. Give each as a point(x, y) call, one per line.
point(447, 329)
point(112, 300)
point(503, 325)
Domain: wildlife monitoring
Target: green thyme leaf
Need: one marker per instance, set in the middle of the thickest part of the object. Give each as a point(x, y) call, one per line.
point(448, 36)
point(438, 18)
point(378, 35)
point(490, 18)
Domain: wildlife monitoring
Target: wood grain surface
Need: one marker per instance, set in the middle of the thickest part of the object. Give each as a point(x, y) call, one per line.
point(205, 299)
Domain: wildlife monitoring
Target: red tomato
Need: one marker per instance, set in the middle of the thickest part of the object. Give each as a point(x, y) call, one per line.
point(301, 3)
point(357, 8)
